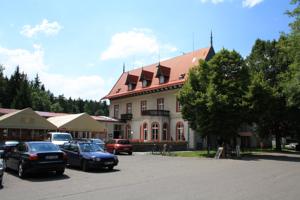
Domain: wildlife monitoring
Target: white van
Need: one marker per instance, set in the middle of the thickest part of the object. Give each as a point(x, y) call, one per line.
point(59, 138)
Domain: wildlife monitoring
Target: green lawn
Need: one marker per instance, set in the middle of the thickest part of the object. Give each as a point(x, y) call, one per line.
point(199, 154)
point(203, 153)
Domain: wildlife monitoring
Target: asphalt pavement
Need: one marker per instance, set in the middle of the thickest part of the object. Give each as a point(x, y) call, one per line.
point(268, 176)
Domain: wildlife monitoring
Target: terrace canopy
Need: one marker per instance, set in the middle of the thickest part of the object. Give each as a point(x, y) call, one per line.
point(25, 119)
point(77, 122)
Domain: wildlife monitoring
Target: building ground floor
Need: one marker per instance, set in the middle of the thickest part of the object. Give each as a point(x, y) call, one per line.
point(156, 129)
point(37, 135)
point(165, 129)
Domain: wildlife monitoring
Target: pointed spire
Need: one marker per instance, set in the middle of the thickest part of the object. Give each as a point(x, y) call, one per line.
point(211, 38)
point(123, 67)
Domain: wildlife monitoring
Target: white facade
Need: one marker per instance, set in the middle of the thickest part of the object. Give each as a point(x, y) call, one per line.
point(171, 126)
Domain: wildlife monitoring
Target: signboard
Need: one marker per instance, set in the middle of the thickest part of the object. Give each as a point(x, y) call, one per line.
point(219, 152)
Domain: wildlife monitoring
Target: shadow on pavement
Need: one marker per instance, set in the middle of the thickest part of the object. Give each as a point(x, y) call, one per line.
point(275, 157)
point(40, 177)
point(94, 170)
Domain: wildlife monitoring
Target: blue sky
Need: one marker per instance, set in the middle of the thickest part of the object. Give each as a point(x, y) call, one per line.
point(78, 47)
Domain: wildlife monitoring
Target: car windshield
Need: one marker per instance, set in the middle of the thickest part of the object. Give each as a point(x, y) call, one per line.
point(123, 142)
point(62, 137)
point(89, 147)
point(43, 146)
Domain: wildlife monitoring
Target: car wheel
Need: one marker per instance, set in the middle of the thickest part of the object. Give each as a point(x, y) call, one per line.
point(85, 166)
point(130, 153)
point(21, 172)
point(60, 172)
point(110, 167)
point(1, 182)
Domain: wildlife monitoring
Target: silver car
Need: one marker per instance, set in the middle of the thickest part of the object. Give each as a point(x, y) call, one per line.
point(1, 171)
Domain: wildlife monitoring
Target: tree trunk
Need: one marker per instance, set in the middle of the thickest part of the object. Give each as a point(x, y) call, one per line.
point(208, 145)
point(278, 141)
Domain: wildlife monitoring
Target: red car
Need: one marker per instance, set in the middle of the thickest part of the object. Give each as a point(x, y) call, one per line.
point(116, 146)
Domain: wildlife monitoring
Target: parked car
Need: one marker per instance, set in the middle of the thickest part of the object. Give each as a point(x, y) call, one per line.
point(98, 141)
point(88, 155)
point(1, 167)
point(291, 144)
point(8, 145)
point(59, 138)
point(30, 157)
point(116, 146)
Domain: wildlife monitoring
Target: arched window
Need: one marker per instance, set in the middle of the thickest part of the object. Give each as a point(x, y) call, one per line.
point(180, 131)
point(155, 131)
point(128, 131)
point(145, 131)
point(165, 131)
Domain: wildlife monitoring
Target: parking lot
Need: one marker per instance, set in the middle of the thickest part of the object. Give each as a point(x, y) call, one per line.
point(275, 176)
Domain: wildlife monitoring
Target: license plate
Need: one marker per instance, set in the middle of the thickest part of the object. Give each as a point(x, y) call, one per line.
point(126, 148)
point(51, 157)
point(108, 163)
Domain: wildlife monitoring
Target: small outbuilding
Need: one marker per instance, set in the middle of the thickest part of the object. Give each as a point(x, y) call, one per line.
point(24, 124)
point(79, 125)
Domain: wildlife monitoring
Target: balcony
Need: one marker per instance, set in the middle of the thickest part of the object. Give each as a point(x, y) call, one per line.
point(126, 117)
point(164, 113)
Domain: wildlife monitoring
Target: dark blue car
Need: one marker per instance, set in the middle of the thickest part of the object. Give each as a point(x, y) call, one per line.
point(87, 155)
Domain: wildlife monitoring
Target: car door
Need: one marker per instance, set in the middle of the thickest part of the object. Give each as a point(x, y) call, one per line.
point(74, 155)
point(16, 156)
point(8, 157)
point(110, 146)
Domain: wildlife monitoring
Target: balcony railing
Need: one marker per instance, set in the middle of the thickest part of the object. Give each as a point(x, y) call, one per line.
point(164, 113)
point(125, 117)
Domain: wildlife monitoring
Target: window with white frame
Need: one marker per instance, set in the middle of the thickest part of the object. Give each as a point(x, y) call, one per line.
point(116, 111)
point(145, 83)
point(155, 131)
point(178, 106)
point(180, 131)
point(161, 79)
point(165, 132)
point(129, 108)
point(160, 104)
point(128, 131)
point(143, 105)
point(145, 131)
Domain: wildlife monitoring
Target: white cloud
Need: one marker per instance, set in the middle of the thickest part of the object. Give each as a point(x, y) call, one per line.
point(86, 87)
point(32, 62)
point(46, 27)
point(212, 1)
point(251, 3)
point(136, 42)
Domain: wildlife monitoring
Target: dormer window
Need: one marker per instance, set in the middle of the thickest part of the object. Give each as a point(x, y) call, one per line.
point(163, 73)
point(161, 79)
point(130, 86)
point(145, 83)
point(146, 78)
point(131, 81)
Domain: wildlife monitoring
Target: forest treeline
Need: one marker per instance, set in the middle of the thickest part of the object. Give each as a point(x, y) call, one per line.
point(18, 92)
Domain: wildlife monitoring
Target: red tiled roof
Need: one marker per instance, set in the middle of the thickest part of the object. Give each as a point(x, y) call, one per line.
point(4, 111)
point(49, 114)
point(104, 119)
point(179, 66)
